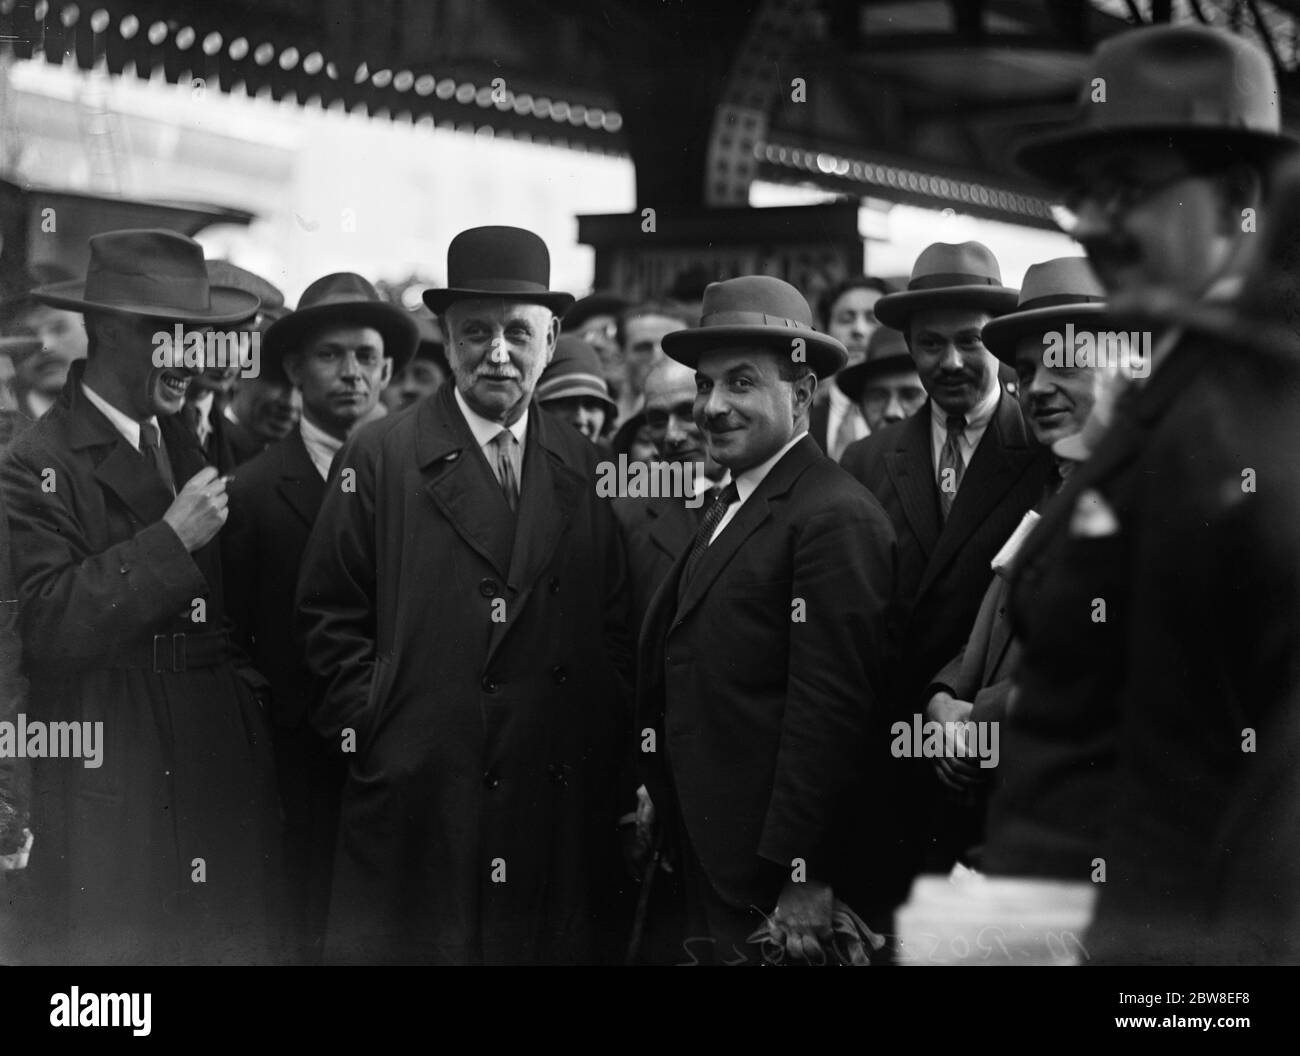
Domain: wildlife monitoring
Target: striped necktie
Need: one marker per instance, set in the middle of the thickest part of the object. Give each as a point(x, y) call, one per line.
point(951, 464)
point(505, 468)
point(708, 526)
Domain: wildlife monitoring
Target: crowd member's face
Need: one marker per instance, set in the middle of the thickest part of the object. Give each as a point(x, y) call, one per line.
point(62, 335)
point(418, 379)
point(268, 408)
point(340, 371)
point(853, 320)
point(643, 337)
point(669, 415)
point(642, 448)
point(951, 360)
point(891, 397)
point(601, 333)
point(8, 376)
point(1056, 400)
point(498, 349)
point(1147, 221)
point(584, 413)
point(746, 411)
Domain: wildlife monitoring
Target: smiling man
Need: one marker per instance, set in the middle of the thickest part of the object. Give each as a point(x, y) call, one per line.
point(463, 599)
point(762, 655)
point(120, 610)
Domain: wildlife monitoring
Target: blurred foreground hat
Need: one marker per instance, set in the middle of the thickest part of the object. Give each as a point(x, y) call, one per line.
point(1055, 292)
point(505, 262)
point(756, 310)
point(965, 275)
point(1185, 85)
point(342, 299)
point(153, 273)
point(886, 354)
point(574, 370)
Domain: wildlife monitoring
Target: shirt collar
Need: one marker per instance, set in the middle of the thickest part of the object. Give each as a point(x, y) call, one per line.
point(124, 424)
point(978, 418)
point(484, 430)
point(748, 481)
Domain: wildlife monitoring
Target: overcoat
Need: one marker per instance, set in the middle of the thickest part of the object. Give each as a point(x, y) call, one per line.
point(655, 533)
point(481, 660)
point(160, 853)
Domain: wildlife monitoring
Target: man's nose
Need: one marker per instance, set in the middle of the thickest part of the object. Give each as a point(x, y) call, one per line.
point(351, 366)
point(894, 408)
point(949, 357)
point(1041, 381)
point(675, 431)
point(498, 352)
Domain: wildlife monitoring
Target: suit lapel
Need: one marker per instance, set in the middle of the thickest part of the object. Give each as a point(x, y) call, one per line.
point(911, 471)
point(997, 464)
point(300, 485)
point(672, 526)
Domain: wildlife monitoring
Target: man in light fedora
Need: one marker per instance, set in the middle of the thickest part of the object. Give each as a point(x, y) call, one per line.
point(764, 649)
point(1182, 521)
point(573, 388)
point(151, 847)
point(884, 385)
point(339, 349)
point(463, 598)
point(955, 479)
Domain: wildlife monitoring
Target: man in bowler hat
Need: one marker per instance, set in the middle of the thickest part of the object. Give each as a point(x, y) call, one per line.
point(763, 652)
point(463, 598)
point(156, 854)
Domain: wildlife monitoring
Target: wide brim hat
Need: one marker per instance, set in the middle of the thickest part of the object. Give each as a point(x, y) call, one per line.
point(342, 299)
point(574, 370)
point(1055, 293)
point(153, 273)
point(756, 310)
point(506, 263)
point(1181, 85)
point(965, 275)
point(886, 354)
point(224, 273)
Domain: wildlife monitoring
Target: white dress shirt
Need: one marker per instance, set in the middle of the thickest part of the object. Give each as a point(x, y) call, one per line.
point(839, 407)
point(204, 425)
point(748, 481)
point(976, 422)
point(124, 424)
point(485, 431)
point(321, 447)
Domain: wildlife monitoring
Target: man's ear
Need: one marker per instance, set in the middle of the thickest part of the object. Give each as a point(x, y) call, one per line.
point(386, 372)
point(552, 336)
point(292, 365)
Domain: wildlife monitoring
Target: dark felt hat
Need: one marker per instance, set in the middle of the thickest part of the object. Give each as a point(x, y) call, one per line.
point(1056, 292)
point(886, 354)
point(499, 262)
point(756, 310)
point(965, 275)
point(594, 304)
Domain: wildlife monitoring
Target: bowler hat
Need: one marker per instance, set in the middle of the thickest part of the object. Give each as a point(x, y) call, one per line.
point(886, 354)
point(756, 310)
point(1054, 293)
point(1180, 84)
point(949, 276)
point(574, 370)
point(342, 299)
point(150, 272)
point(498, 262)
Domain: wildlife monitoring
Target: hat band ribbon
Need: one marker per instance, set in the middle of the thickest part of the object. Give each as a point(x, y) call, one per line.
point(751, 319)
point(951, 278)
point(1052, 300)
point(499, 285)
point(566, 381)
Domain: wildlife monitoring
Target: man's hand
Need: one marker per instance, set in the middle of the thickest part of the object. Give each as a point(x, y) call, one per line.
point(803, 913)
point(18, 860)
point(199, 511)
point(638, 840)
point(955, 768)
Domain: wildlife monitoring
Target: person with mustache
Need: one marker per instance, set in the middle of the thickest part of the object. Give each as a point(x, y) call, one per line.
point(159, 854)
point(1130, 739)
point(60, 338)
point(884, 385)
point(338, 349)
point(463, 598)
point(955, 478)
point(761, 661)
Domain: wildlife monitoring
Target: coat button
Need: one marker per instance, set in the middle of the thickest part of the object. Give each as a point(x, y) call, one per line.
point(554, 585)
point(488, 588)
point(560, 675)
point(488, 685)
point(490, 780)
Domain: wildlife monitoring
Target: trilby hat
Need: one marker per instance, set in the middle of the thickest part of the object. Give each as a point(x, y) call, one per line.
point(965, 275)
point(886, 354)
point(498, 262)
point(1054, 293)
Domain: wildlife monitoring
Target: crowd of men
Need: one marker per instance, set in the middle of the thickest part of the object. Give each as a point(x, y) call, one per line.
point(963, 580)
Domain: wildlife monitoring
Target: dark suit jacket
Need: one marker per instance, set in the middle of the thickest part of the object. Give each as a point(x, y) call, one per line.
point(761, 685)
point(481, 660)
point(274, 501)
point(656, 531)
point(944, 567)
point(1126, 741)
point(819, 418)
point(229, 444)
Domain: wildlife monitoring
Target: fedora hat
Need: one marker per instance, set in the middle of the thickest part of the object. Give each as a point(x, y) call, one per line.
point(1055, 292)
point(886, 354)
point(499, 262)
point(1183, 84)
point(574, 370)
point(150, 272)
point(949, 276)
point(756, 310)
point(341, 299)
point(224, 273)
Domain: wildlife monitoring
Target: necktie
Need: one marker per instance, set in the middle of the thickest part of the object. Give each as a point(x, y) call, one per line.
point(705, 532)
point(149, 447)
point(951, 464)
point(505, 468)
